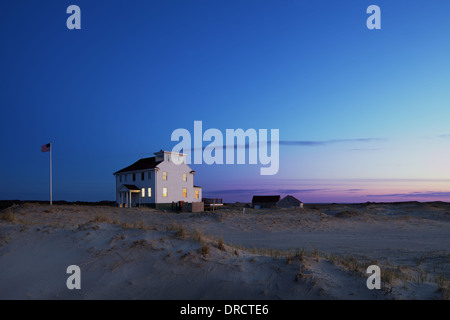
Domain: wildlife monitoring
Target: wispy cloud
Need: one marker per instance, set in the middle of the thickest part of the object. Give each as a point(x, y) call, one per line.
point(300, 190)
point(418, 194)
point(234, 191)
point(327, 142)
point(291, 143)
point(262, 191)
point(370, 149)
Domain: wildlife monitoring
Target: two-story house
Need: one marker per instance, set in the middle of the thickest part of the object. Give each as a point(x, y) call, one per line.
point(157, 182)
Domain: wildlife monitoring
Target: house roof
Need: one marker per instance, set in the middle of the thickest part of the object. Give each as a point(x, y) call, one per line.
point(131, 187)
point(141, 164)
point(289, 196)
point(266, 198)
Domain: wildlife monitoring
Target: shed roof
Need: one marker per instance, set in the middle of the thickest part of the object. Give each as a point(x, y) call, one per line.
point(266, 198)
point(289, 196)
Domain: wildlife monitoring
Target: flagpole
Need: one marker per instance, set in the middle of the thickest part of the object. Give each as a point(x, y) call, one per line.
point(51, 173)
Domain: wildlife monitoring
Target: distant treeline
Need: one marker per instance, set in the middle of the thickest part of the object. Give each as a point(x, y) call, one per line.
point(8, 203)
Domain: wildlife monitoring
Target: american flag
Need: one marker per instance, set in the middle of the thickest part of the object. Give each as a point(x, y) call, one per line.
point(45, 147)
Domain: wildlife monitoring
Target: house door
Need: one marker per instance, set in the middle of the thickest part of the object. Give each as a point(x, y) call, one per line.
point(135, 199)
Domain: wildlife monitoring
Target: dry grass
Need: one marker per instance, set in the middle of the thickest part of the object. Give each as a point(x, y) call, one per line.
point(204, 249)
point(101, 219)
point(198, 236)
point(139, 244)
point(300, 255)
point(221, 245)
point(395, 276)
point(445, 293)
point(289, 258)
point(278, 253)
point(181, 232)
point(126, 225)
point(7, 215)
point(141, 225)
point(300, 274)
point(348, 213)
point(118, 237)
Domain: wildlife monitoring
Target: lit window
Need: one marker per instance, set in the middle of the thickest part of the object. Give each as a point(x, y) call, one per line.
point(164, 192)
point(143, 192)
point(196, 194)
point(142, 176)
point(164, 175)
point(184, 192)
point(184, 177)
point(149, 190)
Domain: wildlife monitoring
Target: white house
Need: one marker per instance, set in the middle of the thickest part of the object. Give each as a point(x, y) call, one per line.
point(157, 182)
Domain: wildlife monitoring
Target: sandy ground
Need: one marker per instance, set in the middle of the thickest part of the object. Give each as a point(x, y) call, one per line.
point(320, 252)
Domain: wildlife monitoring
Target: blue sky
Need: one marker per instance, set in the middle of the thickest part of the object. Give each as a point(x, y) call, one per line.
point(374, 104)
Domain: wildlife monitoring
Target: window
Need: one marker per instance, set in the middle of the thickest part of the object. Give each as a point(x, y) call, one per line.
point(196, 194)
point(149, 175)
point(184, 177)
point(120, 178)
point(142, 175)
point(143, 192)
point(125, 178)
point(134, 176)
point(149, 190)
point(184, 192)
point(164, 192)
point(164, 175)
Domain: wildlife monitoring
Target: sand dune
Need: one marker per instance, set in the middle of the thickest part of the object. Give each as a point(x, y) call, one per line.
point(320, 252)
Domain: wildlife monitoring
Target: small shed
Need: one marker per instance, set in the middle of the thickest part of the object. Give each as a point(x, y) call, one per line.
point(289, 202)
point(265, 201)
